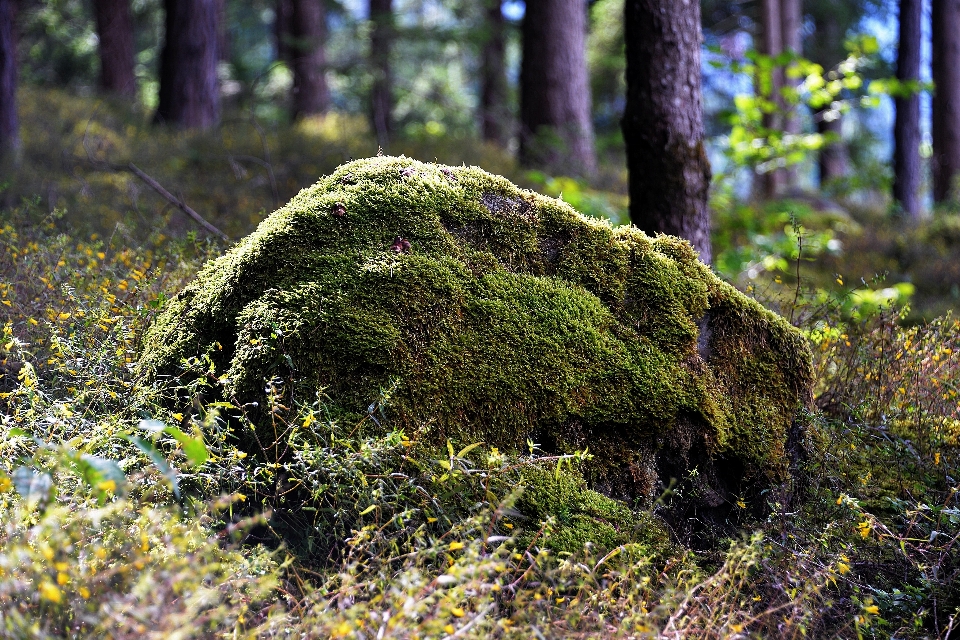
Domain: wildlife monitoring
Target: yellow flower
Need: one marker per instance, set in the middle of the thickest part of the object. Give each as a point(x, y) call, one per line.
point(457, 612)
point(872, 609)
point(49, 591)
point(84, 592)
point(843, 568)
point(5, 484)
point(62, 578)
point(455, 545)
point(449, 629)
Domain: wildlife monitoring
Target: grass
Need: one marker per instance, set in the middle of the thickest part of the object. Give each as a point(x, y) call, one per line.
point(117, 521)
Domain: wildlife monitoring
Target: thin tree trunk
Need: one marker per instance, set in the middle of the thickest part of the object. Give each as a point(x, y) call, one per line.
point(772, 183)
point(115, 32)
point(556, 128)
point(309, 27)
point(9, 124)
point(189, 90)
point(946, 99)
point(494, 113)
point(669, 173)
point(282, 28)
point(381, 96)
point(833, 160)
point(791, 21)
point(906, 127)
point(223, 32)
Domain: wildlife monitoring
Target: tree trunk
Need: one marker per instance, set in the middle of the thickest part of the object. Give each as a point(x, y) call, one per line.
point(381, 95)
point(555, 125)
point(9, 124)
point(946, 99)
point(833, 160)
point(772, 183)
point(494, 113)
point(115, 32)
point(791, 23)
point(906, 127)
point(282, 28)
point(309, 30)
point(189, 90)
point(669, 173)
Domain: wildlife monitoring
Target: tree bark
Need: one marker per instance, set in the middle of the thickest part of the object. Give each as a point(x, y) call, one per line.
point(494, 113)
point(772, 183)
point(946, 99)
point(791, 23)
point(555, 124)
point(189, 90)
point(381, 95)
point(906, 127)
point(833, 160)
point(669, 174)
point(115, 32)
point(307, 35)
point(9, 123)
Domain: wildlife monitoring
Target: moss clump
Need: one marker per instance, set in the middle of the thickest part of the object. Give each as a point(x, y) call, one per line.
point(580, 515)
point(490, 313)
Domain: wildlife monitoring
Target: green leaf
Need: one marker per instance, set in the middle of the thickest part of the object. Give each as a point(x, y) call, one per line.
point(467, 449)
point(159, 462)
point(193, 446)
point(450, 447)
point(104, 476)
point(34, 487)
point(367, 510)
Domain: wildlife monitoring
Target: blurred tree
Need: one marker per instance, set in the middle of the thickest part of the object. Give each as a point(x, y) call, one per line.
point(189, 89)
point(494, 112)
point(669, 174)
point(825, 47)
point(791, 23)
point(946, 99)
point(305, 42)
point(9, 125)
point(906, 127)
point(555, 126)
point(381, 95)
point(772, 183)
point(115, 35)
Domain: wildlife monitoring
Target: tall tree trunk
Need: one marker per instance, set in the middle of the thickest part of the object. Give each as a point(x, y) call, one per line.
point(189, 90)
point(946, 99)
point(791, 23)
point(833, 160)
point(494, 114)
point(115, 32)
point(282, 28)
point(381, 96)
point(906, 126)
point(555, 124)
point(9, 124)
point(669, 173)
point(772, 183)
point(308, 33)
point(223, 32)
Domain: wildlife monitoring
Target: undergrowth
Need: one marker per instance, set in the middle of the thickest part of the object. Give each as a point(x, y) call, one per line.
point(120, 520)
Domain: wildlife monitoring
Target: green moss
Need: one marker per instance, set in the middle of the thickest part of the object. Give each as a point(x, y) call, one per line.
point(578, 515)
point(510, 317)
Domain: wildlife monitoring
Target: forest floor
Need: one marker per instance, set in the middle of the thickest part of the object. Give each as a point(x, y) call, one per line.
point(106, 531)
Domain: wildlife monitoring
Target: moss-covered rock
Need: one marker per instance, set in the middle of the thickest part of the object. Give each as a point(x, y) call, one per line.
point(490, 313)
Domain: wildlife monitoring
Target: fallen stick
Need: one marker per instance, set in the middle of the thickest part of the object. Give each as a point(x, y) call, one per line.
point(175, 201)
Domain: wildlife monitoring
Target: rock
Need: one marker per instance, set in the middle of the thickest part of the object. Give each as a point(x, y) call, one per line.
point(474, 310)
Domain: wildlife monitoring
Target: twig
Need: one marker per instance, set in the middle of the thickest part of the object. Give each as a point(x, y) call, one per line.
point(175, 201)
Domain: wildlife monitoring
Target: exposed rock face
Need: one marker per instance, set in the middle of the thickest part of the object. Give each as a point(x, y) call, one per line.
point(490, 313)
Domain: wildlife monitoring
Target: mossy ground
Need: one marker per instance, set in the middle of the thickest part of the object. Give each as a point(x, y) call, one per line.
point(490, 313)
